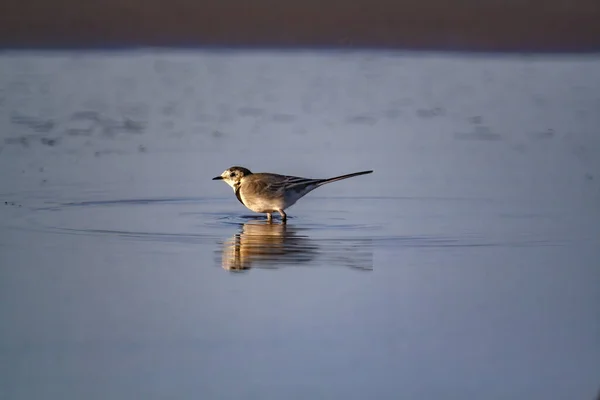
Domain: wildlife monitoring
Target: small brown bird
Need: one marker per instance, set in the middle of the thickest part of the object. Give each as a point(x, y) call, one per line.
point(266, 193)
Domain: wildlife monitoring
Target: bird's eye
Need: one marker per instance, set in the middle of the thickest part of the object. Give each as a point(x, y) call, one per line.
point(231, 175)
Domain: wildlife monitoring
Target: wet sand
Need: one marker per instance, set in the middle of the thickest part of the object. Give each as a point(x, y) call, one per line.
point(544, 26)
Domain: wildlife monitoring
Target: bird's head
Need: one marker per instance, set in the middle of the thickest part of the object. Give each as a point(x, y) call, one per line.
point(233, 176)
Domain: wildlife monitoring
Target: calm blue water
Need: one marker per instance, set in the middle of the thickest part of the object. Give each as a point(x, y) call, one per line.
point(467, 266)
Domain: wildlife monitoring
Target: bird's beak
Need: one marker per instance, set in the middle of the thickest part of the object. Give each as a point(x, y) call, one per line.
point(217, 178)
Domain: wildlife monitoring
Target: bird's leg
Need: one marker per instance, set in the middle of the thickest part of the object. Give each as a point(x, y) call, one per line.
point(283, 215)
point(269, 219)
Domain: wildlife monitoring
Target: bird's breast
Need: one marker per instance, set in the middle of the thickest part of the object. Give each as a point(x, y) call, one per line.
point(236, 190)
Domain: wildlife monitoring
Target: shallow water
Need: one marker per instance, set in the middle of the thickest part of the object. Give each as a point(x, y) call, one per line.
point(466, 266)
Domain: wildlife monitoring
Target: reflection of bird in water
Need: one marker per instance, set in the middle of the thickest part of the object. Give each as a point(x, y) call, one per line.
point(262, 244)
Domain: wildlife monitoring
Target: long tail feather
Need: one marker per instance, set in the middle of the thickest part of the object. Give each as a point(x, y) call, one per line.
point(339, 178)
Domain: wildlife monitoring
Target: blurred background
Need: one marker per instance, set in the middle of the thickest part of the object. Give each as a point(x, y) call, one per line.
point(491, 25)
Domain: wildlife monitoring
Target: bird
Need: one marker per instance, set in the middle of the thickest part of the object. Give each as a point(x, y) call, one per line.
point(268, 193)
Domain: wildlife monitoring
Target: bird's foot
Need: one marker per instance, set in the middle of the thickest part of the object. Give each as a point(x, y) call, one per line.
point(283, 216)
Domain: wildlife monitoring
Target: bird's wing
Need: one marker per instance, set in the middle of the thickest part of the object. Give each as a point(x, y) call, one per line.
point(275, 186)
point(294, 183)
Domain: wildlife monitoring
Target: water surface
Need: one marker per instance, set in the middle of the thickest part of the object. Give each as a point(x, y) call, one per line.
point(465, 266)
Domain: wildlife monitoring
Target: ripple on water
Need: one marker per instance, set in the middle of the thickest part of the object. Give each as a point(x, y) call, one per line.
point(244, 241)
